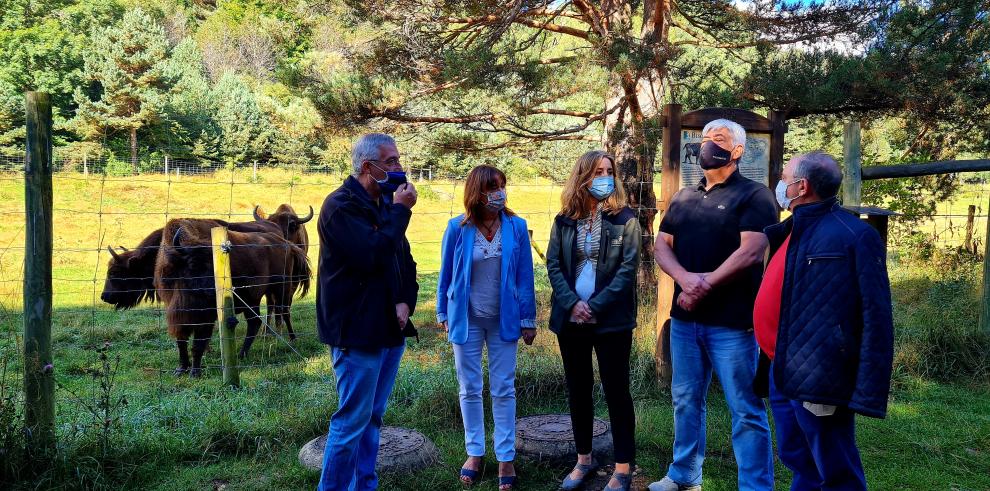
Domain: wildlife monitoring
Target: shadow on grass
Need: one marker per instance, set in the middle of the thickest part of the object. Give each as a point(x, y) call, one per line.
point(181, 433)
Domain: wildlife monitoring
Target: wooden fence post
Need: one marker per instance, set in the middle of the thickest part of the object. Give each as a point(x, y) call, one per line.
point(670, 182)
point(39, 382)
point(536, 247)
point(852, 164)
point(985, 306)
point(226, 318)
point(969, 245)
point(778, 120)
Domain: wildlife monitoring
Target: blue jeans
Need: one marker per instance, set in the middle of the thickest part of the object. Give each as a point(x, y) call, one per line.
point(820, 450)
point(364, 381)
point(696, 349)
point(501, 380)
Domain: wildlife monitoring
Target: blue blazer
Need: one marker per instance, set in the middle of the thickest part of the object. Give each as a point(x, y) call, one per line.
point(517, 297)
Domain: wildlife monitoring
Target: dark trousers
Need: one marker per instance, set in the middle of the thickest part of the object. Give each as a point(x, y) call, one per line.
point(820, 450)
point(612, 349)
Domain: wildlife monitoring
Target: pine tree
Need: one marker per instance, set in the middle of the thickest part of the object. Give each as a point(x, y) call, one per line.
point(126, 65)
point(245, 131)
point(551, 70)
point(191, 108)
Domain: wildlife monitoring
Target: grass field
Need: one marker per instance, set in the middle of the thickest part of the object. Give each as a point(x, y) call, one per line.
point(177, 433)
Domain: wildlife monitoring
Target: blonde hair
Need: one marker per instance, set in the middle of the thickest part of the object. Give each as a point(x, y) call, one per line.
point(576, 193)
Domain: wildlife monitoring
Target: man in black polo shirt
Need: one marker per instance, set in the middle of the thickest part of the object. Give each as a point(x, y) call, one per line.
point(711, 243)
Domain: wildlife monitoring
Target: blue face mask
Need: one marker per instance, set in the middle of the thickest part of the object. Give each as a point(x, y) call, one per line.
point(496, 200)
point(392, 180)
point(602, 187)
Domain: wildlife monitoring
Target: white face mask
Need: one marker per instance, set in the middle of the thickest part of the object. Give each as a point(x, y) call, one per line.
point(781, 192)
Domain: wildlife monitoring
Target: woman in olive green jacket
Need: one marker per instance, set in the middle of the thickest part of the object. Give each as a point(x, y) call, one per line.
point(592, 262)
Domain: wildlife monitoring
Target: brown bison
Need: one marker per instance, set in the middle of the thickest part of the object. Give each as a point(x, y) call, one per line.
point(294, 230)
point(131, 273)
point(262, 264)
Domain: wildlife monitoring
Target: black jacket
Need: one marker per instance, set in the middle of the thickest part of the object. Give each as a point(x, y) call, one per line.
point(614, 300)
point(365, 269)
point(835, 342)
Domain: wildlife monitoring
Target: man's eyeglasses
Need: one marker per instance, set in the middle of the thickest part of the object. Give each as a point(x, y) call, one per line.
point(390, 163)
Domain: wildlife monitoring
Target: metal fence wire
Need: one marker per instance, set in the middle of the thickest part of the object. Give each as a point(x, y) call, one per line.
point(101, 205)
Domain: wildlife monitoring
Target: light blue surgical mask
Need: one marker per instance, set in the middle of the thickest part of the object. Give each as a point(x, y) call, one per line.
point(602, 187)
point(781, 192)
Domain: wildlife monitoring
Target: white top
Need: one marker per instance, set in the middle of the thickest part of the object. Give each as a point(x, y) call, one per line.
point(486, 275)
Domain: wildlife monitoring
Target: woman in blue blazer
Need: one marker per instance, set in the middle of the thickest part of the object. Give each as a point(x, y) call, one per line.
point(485, 297)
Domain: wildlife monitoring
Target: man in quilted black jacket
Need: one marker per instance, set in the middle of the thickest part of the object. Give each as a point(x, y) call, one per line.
point(823, 316)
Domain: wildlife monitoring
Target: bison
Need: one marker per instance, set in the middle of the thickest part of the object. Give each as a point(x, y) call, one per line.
point(294, 230)
point(263, 264)
point(130, 274)
point(691, 152)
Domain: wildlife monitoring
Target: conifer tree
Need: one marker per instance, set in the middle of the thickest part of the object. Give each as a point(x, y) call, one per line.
point(126, 66)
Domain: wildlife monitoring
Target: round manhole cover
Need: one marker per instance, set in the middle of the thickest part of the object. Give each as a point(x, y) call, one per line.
point(399, 450)
point(553, 427)
point(397, 441)
point(550, 437)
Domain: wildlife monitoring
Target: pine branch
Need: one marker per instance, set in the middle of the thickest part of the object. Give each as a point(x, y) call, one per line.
point(489, 20)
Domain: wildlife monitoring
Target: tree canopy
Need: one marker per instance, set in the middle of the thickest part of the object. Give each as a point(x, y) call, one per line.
point(505, 82)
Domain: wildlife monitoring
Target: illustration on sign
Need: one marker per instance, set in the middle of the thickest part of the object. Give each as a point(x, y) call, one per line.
point(755, 162)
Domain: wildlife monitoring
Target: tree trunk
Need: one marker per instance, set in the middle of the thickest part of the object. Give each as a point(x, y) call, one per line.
point(134, 149)
point(635, 151)
point(633, 134)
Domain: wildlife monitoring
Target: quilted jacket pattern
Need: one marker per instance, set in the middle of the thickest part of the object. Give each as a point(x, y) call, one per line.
point(835, 343)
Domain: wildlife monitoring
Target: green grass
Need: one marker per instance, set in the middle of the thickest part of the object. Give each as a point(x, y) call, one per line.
point(177, 433)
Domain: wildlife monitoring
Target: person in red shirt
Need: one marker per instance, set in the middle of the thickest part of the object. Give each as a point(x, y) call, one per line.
point(823, 316)
point(766, 310)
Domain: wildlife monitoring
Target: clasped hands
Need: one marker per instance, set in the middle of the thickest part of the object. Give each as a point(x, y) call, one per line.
point(694, 287)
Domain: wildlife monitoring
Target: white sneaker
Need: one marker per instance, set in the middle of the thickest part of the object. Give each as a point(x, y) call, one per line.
point(668, 484)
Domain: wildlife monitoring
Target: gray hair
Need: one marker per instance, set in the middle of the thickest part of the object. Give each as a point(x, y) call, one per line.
point(368, 147)
point(820, 171)
point(738, 132)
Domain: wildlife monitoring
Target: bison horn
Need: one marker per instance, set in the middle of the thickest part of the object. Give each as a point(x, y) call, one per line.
point(257, 216)
point(113, 253)
point(175, 238)
point(308, 217)
point(124, 249)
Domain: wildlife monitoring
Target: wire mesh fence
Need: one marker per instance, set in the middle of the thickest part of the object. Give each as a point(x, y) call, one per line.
point(106, 213)
point(104, 210)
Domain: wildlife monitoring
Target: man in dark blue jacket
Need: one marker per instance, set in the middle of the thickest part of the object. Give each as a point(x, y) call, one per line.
point(823, 315)
point(366, 292)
